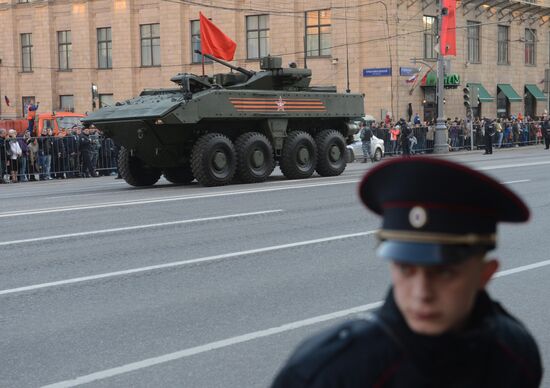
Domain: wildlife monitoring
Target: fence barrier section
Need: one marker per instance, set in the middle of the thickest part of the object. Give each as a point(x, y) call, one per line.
point(57, 157)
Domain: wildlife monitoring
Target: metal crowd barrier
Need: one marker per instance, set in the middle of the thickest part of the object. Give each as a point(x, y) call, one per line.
point(60, 157)
point(424, 136)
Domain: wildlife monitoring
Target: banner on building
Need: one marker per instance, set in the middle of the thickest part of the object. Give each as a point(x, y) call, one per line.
point(448, 29)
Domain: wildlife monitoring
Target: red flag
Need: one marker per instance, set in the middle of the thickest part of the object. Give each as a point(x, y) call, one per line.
point(448, 29)
point(214, 41)
point(7, 100)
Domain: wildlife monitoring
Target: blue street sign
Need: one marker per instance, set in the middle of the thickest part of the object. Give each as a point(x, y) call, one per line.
point(377, 72)
point(407, 71)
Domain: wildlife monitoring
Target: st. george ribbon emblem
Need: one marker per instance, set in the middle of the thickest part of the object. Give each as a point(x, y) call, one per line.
point(281, 105)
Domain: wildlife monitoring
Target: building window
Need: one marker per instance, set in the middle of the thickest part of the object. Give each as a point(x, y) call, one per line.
point(530, 46)
point(23, 1)
point(318, 33)
point(64, 46)
point(150, 44)
point(104, 48)
point(196, 42)
point(257, 36)
point(474, 32)
point(106, 100)
point(66, 103)
point(503, 105)
point(503, 43)
point(430, 33)
point(27, 101)
point(26, 52)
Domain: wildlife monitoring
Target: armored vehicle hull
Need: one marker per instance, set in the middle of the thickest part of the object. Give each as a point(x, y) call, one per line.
point(216, 133)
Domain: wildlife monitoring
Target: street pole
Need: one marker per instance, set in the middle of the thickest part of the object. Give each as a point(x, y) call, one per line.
point(471, 130)
point(440, 143)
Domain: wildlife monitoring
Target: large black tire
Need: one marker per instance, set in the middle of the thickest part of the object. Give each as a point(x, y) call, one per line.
point(181, 175)
point(213, 160)
point(255, 161)
point(134, 171)
point(299, 156)
point(331, 149)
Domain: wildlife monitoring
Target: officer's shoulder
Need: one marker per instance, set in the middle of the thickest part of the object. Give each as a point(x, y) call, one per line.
point(513, 337)
point(340, 345)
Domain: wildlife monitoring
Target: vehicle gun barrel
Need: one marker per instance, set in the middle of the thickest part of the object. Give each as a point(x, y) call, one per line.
point(248, 73)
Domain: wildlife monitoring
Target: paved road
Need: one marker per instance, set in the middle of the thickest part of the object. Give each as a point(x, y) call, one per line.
point(213, 287)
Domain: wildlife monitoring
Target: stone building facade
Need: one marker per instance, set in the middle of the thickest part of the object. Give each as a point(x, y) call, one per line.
point(82, 54)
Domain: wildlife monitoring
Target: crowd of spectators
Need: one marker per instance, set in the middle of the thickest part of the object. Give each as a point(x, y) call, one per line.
point(71, 153)
point(84, 152)
point(515, 131)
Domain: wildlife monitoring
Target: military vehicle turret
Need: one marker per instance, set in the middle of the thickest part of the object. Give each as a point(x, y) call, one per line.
point(232, 126)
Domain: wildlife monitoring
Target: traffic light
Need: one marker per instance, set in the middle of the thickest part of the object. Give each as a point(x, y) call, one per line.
point(471, 97)
point(474, 97)
point(467, 97)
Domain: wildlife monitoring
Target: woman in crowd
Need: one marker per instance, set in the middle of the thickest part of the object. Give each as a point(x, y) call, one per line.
point(14, 152)
point(24, 159)
point(32, 147)
point(394, 135)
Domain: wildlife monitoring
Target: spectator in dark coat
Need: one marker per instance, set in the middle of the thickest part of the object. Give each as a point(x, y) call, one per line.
point(58, 157)
point(85, 146)
point(45, 151)
point(3, 155)
point(71, 150)
point(24, 158)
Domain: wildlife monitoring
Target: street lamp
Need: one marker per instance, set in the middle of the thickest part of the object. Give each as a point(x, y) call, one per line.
point(95, 95)
point(440, 140)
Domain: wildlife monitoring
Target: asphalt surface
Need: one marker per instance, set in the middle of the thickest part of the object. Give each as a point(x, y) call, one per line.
point(113, 286)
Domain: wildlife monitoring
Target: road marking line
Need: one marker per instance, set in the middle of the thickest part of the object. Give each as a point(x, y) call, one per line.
point(523, 268)
point(213, 195)
point(181, 263)
point(512, 166)
point(210, 346)
point(167, 199)
point(134, 366)
point(520, 181)
point(137, 227)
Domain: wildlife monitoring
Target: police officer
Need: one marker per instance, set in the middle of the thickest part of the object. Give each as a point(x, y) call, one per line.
point(85, 146)
point(489, 132)
point(546, 132)
point(438, 326)
point(366, 137)
point(406, 132)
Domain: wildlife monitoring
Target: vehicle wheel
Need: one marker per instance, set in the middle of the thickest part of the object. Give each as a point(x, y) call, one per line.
point(350, 156)
point(377, 155)
point(299, 155)
point(331, 148)
point(181, 175)
point(134, 171)
point(213, 160)
point(255, 161)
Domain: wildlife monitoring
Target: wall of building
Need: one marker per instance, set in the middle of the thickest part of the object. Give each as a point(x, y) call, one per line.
point(370, 35)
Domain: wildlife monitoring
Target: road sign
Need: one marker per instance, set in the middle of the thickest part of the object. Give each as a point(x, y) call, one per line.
point(408, 71)
point(377, 72)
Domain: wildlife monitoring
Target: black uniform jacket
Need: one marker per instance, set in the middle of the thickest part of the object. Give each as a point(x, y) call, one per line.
point(494, 350)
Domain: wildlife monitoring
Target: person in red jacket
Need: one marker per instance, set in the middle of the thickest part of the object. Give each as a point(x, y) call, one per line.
point(31, 116)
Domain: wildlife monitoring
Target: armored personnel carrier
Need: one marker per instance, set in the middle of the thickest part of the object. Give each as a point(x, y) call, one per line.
point(232, 126)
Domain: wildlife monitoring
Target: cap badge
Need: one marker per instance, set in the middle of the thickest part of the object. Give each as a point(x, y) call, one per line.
point(418, 217)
